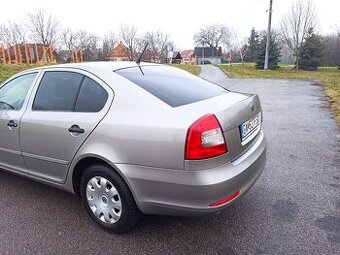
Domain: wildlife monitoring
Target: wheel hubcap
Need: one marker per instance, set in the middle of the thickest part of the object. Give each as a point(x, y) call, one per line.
point(104, 199)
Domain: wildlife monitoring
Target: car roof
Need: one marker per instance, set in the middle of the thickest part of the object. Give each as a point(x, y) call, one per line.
point(91, 66)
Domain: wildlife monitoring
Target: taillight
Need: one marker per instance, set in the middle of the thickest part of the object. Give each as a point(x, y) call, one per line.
point(205, 139)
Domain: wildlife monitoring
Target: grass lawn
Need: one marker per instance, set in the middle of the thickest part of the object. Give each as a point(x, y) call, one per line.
point(194, 69)
point(7, 71)
point(328, 77)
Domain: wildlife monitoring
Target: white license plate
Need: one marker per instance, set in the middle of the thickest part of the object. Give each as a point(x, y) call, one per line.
point(247, 128)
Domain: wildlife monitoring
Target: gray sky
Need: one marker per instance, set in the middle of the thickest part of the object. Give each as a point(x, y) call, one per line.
point(179, 18)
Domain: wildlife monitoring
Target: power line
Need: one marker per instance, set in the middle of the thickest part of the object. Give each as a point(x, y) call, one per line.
point(245, 12)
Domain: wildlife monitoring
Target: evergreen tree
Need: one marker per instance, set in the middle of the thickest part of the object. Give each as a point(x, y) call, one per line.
point(253, 46)
point(274, 53)
point(311, 53)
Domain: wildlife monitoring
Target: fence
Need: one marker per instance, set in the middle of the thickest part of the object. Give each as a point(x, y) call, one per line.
point(27, 53)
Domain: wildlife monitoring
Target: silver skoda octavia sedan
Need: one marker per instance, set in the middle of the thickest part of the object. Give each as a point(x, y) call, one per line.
point(132, 139)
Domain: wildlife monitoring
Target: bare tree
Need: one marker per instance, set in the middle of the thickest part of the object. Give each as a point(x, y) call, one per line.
point(87, 43)
point(158, 42)
point(43, 27)
point(81, 41)
point(129, 35)
point(212, 35)
point(69, 39)
point(295, 24)
point(12, 33)
point(337, 29)
point(332, 50)
point(108, 43)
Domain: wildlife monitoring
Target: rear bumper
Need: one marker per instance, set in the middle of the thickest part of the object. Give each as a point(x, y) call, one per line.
point(178, 192)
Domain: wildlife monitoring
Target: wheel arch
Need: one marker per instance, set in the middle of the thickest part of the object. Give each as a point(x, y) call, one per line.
point(81, 165)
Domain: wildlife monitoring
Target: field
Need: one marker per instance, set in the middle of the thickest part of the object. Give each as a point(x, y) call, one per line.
point(7, 71)
point(328, 77)
point(194, 69)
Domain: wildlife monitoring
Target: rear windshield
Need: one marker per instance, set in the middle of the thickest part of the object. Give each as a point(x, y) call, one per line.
point(171, 85)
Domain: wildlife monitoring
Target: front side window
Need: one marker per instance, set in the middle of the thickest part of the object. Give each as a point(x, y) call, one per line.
point(13, 93)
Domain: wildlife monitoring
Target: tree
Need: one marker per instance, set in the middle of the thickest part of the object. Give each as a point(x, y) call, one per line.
point(69, 39)
point(43, 27)
point(81, 41)
point(311, 52)
point(337, 28)
point(157, 45)
point(129, 35)
point(212, 35)
point(332, 50)
point(253, 46)
point(274, 52)
point(295, 24)
point(12, 33)
point(108, 44)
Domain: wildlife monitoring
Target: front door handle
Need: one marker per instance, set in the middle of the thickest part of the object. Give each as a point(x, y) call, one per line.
point(76, 129)
point(12, 124)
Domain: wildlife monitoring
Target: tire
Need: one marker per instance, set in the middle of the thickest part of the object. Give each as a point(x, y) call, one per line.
point(108, 200)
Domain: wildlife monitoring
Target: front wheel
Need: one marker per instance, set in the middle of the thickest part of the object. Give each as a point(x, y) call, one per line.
point(108, 200)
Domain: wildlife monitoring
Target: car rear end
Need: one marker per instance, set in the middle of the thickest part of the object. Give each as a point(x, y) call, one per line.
point(218, 134)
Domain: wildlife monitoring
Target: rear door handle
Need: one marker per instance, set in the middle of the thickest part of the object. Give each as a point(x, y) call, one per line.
point(76, 129)
point(12, 124)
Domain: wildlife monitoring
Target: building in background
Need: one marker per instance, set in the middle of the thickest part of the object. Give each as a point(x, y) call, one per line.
point(176, 58)
point(188, 57)
point(208, 55)
point(120, 53)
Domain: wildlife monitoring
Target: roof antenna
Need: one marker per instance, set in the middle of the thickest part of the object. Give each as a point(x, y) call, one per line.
point(140, 58)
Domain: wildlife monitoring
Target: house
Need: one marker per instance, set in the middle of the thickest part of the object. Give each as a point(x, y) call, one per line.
point(176, 58)
point(188, 57)
point(208, 55)
point(120, 53)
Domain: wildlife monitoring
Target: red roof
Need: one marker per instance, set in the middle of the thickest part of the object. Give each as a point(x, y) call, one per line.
point(120, 51)
point(187, 53)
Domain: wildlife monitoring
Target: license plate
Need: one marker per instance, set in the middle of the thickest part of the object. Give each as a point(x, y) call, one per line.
point(247, 128)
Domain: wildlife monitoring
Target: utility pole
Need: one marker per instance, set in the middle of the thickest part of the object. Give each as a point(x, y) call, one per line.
point(266, 59)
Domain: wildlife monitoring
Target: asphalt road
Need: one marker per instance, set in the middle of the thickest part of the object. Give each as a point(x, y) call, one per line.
point(294, 208)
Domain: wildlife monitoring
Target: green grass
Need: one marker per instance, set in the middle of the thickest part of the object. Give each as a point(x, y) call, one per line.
point(194, 69)
point(328, 77)
point(7, 71)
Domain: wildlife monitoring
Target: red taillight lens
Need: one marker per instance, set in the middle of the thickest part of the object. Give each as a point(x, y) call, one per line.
point(205, 139)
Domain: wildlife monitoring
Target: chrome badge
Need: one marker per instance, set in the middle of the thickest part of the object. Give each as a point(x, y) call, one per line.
point(252, 106)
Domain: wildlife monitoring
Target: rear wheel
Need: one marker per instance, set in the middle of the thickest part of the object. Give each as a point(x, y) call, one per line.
point(108, 199)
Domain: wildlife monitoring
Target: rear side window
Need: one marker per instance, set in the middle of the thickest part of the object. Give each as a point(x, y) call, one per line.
point(92, 97)
point(171, 85)
point(69, 91)
point(58, 91)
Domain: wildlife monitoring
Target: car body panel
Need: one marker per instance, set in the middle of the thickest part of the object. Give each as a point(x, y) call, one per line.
point(173, 192)
point(143, 139)
point(47, 146)
point(10, 151)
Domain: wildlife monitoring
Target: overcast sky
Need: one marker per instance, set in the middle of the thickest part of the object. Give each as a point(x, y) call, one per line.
point(179, 18)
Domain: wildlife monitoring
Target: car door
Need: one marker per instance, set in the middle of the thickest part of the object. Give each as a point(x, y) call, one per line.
point(13, 99)
point(66, 108)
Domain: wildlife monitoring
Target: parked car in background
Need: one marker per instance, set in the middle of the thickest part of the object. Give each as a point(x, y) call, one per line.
point(132, 139)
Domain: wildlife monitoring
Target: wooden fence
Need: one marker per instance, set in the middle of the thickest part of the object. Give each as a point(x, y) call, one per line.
point(34, 53)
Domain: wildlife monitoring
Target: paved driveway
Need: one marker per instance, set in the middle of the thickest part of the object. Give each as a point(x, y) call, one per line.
point(294, 208)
